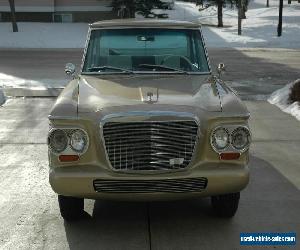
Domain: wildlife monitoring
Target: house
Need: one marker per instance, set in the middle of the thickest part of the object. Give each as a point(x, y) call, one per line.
point(58, 10)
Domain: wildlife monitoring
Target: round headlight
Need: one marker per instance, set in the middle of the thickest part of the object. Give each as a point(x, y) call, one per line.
point(78, 141)
point(58, 141)
point(240, 138)
point(220, 139)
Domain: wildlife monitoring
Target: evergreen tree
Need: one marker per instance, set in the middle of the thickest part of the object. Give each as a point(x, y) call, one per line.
point(128, 8)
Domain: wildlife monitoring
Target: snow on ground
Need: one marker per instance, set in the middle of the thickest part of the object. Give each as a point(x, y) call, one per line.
point(280, 98)
point(259, 29)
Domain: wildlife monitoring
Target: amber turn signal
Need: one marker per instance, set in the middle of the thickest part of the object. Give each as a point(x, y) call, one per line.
point(68, 158)
point(230, 156)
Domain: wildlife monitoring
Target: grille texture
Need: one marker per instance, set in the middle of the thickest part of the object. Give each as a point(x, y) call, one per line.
point(151, 186)
point(163, 145)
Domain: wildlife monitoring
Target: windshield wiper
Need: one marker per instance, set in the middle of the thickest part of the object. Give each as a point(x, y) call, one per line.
point(105, 67)
point(162, 67)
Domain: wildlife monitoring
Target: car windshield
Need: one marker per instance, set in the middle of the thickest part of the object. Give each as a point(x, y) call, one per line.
point(145, 50)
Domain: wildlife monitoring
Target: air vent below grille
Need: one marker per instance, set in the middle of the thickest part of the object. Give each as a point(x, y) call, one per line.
point(151, 186)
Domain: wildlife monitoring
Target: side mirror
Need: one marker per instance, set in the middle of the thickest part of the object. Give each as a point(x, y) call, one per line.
point(70, 69)
point(221, 68)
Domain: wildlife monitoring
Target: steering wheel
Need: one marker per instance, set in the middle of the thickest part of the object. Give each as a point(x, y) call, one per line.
point(167, 61)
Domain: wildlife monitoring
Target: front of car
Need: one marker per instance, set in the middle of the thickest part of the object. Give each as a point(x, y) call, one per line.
point(146, 120)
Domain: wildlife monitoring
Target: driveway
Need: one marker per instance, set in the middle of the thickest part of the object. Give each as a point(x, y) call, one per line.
point(254, 73)
point(29, 211)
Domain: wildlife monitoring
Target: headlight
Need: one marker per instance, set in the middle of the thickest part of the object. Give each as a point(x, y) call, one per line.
point(78, 140)
point(240, 138)
point(220, 139)
point(58, 140)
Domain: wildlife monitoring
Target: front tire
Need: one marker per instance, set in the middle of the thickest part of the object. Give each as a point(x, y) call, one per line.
point(71, 208)
point(225, 205)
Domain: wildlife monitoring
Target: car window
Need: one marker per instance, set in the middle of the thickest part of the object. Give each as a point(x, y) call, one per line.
point(132, 49)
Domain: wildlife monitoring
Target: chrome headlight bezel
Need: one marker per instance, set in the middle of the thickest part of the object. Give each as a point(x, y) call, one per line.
point(51, 137)
point(69, 150)
point(84, 137)
point(248, 135)
point(213, 142)
point(231, 129)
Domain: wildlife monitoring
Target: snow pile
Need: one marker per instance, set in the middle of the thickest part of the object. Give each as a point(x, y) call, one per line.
point(280, 98)
point(9, 81)
point(44, 35)
point(2, 98)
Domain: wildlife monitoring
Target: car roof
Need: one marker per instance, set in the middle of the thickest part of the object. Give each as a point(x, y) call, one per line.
point(147, 23)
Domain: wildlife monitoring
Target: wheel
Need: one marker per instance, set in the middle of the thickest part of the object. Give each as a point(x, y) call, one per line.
point(70, 208)
point(225, 205)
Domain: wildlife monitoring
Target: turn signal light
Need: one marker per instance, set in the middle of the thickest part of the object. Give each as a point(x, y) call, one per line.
point(68, 158)
point(230, 156)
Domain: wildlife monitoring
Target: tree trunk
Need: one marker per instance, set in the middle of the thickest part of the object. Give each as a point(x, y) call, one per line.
point(268, 4)
point(13, 15)
point(239, 17)
point(279, 28)
point(289, 1)
point(220, 13)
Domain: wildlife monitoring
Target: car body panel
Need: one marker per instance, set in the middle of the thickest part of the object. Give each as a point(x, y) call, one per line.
point(89, 101)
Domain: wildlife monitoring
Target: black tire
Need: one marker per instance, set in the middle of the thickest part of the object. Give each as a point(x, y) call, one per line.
point(70, 208)
point(225, 205)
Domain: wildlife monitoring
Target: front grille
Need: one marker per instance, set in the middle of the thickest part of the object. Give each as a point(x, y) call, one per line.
point(151, 186)
point(148, 145)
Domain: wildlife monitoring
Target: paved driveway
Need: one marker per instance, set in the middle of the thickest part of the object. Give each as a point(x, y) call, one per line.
point(29, 210)
point(254, 73)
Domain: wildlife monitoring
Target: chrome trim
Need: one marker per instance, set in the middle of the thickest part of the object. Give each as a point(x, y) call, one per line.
point(69, 149)
point(53, 117)
point(151, 114)
point(85, 49)
point(205, 50)
point(230, 147)
point(188, 116)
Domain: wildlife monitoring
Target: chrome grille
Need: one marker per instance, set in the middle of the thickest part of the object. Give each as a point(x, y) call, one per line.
point(150, 145)
point(151, 186)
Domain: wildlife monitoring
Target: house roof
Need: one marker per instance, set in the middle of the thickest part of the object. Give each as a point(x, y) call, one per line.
point(149, 23)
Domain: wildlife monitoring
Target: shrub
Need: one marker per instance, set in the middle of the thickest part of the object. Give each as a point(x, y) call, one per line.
point(295, 92)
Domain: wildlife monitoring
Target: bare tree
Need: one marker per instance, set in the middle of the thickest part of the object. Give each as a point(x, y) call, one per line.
point(279, 28)
point(220, 4)
point(13, 15)
point(239, 17)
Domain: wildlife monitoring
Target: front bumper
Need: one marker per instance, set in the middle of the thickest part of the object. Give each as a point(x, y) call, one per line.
point(78, 181)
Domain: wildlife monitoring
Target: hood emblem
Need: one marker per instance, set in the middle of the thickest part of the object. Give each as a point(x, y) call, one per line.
point(151, 97)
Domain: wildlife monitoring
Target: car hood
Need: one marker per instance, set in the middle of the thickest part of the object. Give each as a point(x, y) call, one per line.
point(97, 93)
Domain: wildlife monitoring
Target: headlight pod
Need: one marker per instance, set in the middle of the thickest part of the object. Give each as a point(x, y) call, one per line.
point(241, 138)
point(78, 140)
point(68, 140)
point(58, 141)
point(220, 139)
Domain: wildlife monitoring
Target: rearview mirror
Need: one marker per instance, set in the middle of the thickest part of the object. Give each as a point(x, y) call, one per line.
point(221, 68)
point(70, 69)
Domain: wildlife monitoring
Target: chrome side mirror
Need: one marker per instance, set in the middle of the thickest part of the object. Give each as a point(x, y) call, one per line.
point(70, 69)
point(221, 68)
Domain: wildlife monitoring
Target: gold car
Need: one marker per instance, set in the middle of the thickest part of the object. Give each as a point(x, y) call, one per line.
point(145, 119)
